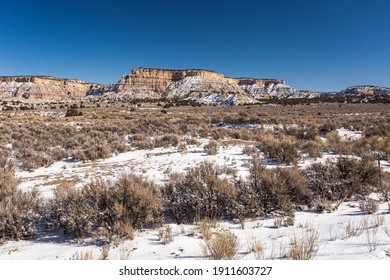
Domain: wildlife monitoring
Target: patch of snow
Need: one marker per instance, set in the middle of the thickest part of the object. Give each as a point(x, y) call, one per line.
point(346, 134)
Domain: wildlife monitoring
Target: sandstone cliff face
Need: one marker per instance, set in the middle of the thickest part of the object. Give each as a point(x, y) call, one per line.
point(41, 87)
point(199, 85)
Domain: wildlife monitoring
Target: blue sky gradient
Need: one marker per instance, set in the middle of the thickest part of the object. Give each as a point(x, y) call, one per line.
point(315, 45)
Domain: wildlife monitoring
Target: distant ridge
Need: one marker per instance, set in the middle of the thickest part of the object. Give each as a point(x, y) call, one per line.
point(199, 85)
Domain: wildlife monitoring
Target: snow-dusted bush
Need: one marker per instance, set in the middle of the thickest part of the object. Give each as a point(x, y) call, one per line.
point(166, 140)
point(19, 211)
point(342, 179)
point(211, 148)
point(313, 148)
point(205, 191)
point(302, 132)
point(277, 189)
point(282, 149)
point(108, 209)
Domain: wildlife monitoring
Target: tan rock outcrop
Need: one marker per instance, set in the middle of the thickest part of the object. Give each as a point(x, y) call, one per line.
point(42, 87)
point(158, 83)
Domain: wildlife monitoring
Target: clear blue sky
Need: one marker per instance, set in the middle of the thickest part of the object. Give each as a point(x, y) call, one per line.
point(318, 45)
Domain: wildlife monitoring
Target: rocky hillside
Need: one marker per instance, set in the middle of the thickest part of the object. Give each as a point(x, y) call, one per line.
point(43, 88)
point(365, 91)
point(148, 83)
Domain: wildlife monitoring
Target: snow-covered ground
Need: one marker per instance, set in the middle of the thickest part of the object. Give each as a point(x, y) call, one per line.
point(336, 241)
point(346, 233)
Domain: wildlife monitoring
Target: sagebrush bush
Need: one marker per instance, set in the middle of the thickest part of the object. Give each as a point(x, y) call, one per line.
point(108, 209)
point(166, 140)
point(203, 192)
point(342, 179)
point(211, 148)
point(282, 149)
point(277, 189)
point(19, 210)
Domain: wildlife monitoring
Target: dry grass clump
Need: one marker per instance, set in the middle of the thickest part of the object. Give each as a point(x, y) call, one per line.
point(368, 206)
point(19, 211)
point(165, 234)
point(82, 256)
point(205, 228)
point(223, 245)
point(372, 239)
point(257, 248)
point(304, 247)
point(110, 210)
point(353, 228)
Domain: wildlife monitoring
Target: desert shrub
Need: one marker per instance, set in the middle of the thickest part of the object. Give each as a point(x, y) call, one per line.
point(333, 142)
point(19, 210)
point(342, 179)
point(203, 192)
point(358, 177)
point(222, 246)
point(211, 148)
point(278, 189)
point(301, 132)
point(72, 112)
point(31, 159)
point(166, 140)
point(95, 152)
point(312, 148)
point(108, 209)
point(248, 202)
point(281, 149)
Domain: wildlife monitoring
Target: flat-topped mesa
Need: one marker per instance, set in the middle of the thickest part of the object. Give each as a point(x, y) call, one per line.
point(163, 83)
point(42, 87)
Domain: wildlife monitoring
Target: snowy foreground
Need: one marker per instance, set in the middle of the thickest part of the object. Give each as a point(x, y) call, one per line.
point(345, 234)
